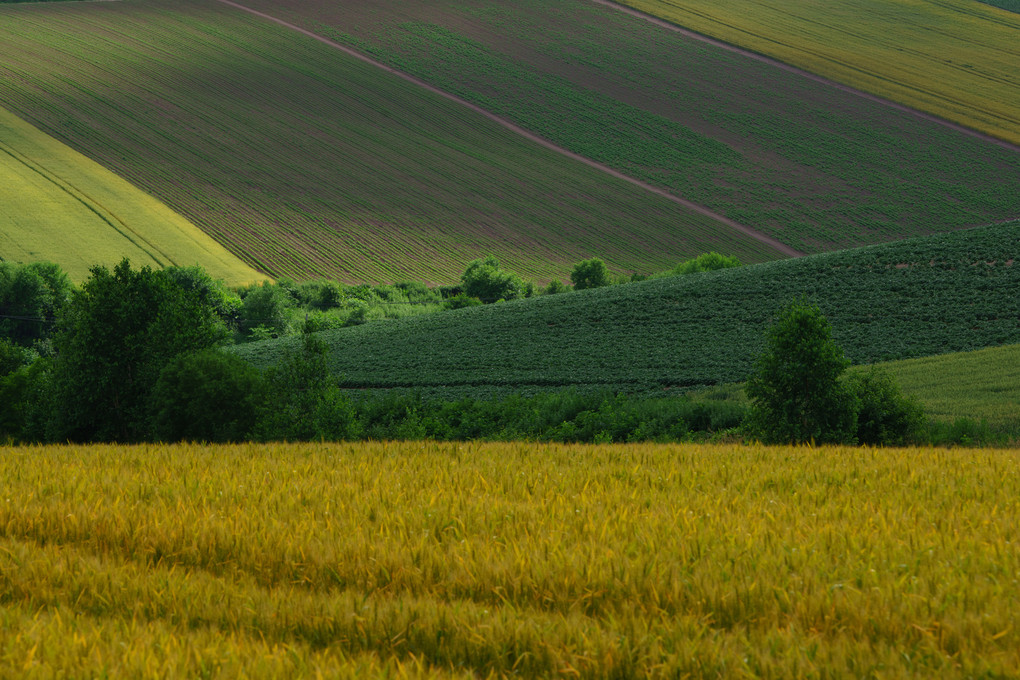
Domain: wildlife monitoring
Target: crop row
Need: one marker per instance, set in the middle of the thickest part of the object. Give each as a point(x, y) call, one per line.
point(814, 166)
point(306, 162)
point(511, 559)
point(918, 297)
point(953, 58)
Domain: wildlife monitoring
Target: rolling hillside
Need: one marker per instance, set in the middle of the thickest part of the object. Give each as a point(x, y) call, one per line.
point(307, 162)
point(953, 58)
point(58, 205)
point(980, 385)
point(917, 297)
point(812, 165)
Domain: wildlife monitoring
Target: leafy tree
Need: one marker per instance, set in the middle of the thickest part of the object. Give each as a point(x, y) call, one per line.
point(13, 357)
point(303, 402)
point(483, 279)
point(25, 400)
point(31, 298)
point(884, 415)
point(211, 292)
point(266, 306)
point(206, 396)
point(795, 391)
point(117, 334)
point(590, 274)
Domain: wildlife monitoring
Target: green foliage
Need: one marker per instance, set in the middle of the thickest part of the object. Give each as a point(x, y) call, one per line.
point(303, 401)
point(485, 280)
point(26, 401)
point(555, 287)
point(116, 335)
point(884, 415)
point(206, 396)
point(31, 298)
point(795, 392)
point(265, 307)
point(563, 416)
point(12, 357)
point(591, 273)
point(460, 301)
point(210, 292)
point(706, 262)
point(911, 298)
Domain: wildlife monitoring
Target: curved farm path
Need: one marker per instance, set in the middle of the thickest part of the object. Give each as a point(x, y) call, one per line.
point(807, 74)
point(768, 240)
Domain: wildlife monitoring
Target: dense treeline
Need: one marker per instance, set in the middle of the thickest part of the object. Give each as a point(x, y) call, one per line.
point(135, 355)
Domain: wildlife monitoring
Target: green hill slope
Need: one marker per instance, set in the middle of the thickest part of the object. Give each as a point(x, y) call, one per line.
point(58, 205)
point(918, 297)
point(307, 162)
point(980, 385)
point(954, 58)
point(814, 166)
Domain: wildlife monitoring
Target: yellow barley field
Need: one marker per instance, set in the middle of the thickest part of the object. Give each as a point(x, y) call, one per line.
point(957, 59)
point(422, 559)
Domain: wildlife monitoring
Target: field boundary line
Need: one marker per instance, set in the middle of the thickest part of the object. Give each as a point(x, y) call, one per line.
point(513, 127)
point(930, 117)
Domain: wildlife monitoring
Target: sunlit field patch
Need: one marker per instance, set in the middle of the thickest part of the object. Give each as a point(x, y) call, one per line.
point(57, 205)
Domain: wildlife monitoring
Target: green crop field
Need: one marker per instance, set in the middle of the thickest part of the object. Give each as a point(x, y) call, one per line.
point(805, 162)
point(307, 162)
point(917, 297)
point(980, 385)
point(474, 560)
point(1011, 5)
point(59, 206)
point(952, 58)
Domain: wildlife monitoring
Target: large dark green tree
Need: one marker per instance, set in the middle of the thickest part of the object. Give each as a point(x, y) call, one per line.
point(117, 334)
point(795, 392)
point(210, 396)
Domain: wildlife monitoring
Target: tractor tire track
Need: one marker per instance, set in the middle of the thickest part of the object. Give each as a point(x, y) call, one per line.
point(700, 209)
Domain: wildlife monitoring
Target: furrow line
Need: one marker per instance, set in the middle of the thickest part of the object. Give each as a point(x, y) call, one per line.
point(807, 74)
point(778, 245)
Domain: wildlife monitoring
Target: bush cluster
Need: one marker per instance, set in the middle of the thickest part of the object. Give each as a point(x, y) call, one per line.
point(798, 394)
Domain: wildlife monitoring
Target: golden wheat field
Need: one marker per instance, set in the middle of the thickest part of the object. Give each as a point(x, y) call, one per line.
point(438, 560)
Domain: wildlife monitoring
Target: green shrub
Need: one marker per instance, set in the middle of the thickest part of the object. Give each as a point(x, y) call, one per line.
point(884, 415)
point(460, 301)
point(591, 273)
point(207, 396)
point(706, 262)
point(795, 392)
point(555, 287)
point(266, 305)
point(483, 279)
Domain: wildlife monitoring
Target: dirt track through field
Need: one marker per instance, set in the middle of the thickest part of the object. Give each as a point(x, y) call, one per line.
point(779, 246)
point(807, 74)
